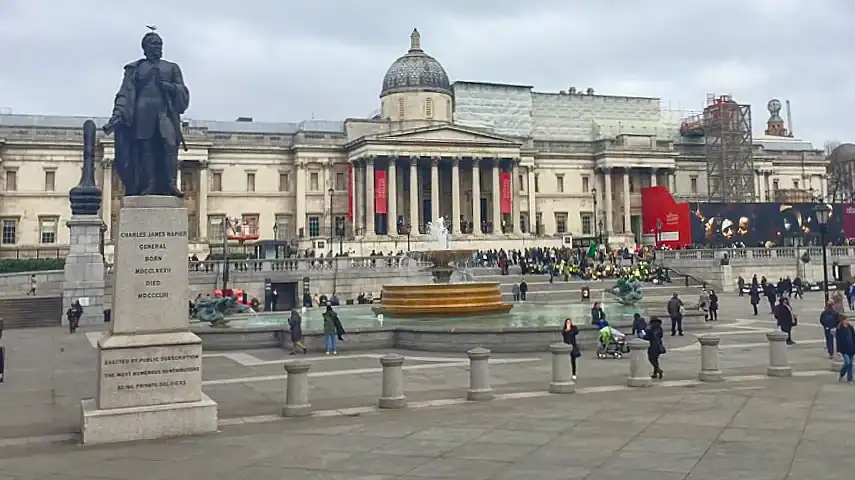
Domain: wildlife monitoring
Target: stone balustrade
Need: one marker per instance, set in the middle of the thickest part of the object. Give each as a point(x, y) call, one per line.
point(737, 254)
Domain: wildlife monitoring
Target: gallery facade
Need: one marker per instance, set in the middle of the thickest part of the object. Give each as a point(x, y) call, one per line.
point(503, 165)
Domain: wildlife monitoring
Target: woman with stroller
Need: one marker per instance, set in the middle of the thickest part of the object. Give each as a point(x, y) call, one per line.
point(654, 334)
point(568, 333)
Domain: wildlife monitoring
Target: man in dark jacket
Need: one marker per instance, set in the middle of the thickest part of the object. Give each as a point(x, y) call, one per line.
point(829, 319)
point(597, 314)
point(675, 311)
point(846, 346)
point(785, 318)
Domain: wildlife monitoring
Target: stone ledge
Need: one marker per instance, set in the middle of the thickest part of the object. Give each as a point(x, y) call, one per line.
point(117, 341)
point(146, 423)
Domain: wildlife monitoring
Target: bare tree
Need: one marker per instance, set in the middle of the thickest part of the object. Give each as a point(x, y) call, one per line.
point(839, 172)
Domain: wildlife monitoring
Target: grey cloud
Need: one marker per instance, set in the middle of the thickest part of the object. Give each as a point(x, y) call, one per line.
point(290, 60)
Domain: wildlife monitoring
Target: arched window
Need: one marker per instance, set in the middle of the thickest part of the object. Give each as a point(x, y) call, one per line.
point(401, 108)
point(429, 107)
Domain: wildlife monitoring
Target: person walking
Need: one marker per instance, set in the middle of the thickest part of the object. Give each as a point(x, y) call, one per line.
point(675, 311)
point(33, 284)
point(516, 291)
point(523, 290)
point(754, 297)
point(829, 319)
point(740, 285)
point(713, 306)
point(785, 319)
point(569, 333)
point(846, 346)
point(295, 323)
point(332, 331)
point(704, 303)
point(654, 335)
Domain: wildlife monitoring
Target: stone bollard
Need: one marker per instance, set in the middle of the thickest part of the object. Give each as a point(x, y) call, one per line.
point(709, 359)
point(562, 382)
point(638, 373)
point(297, 390)
point(836, 363)
point(779, 365)
point(479, 375)
point(392, 395)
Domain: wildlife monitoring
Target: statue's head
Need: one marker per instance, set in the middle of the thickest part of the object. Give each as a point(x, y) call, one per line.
point(152, 46)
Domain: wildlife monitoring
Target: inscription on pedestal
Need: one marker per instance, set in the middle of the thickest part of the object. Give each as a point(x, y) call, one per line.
point(151, 270)
point(150, 376)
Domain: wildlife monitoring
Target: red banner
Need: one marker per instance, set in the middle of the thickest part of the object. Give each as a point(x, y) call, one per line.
point(380, 191)
point(350, 193)
point(667, 220)
point(505, 191)
point(849, 220)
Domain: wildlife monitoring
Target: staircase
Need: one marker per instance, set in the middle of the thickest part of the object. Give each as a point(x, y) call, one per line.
point(31, 312)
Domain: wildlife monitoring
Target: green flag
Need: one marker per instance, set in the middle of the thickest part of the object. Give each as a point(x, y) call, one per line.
point(592, 250)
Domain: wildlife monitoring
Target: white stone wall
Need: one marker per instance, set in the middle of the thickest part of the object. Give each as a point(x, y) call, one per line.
point(504, 109)
point(416, 106)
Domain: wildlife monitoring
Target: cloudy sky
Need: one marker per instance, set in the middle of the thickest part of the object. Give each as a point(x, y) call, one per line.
point(290, 60)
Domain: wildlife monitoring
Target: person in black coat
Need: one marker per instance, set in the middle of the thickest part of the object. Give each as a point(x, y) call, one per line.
point(597, 314)
point(754, 296)
point(713, 306)
point(846, 346)
point(638, 324)
point(295, 323)
point(654, 335)
point(569, 333)
point(785, 319)
point(829, 319)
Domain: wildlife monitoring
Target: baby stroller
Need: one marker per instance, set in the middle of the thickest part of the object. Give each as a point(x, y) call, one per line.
point(612, 343)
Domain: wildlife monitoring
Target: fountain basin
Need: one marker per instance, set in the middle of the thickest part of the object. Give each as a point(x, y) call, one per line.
point(442, 300)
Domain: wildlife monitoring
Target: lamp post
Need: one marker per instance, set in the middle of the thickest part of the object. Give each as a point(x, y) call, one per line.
point(823, 211)
point(409, 228)
point(331, 191)
point(594, 197)
point(658, 232)
point(600, 232)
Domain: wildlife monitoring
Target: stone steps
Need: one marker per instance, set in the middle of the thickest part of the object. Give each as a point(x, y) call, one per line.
point(31, 311)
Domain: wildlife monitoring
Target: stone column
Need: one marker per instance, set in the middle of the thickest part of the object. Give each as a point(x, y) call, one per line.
point(654, 181)
point(562, 381)
point(178, 177)
point(107, 197)
point(758, 185)
point(479, 375)
point(369, 197)
point(672, 182)
point(300, 199)
point(84, 269)
point(476, 196)
point(455, 195)
point(434, 189)
point(627, 218)
point(638, 376)
point(392, 196)
point(354, 190)
point(607, 199)
point(414, 193)
point(515, 196)
point(497, 206)
point(202, 206)
point(532, 203)
point(779, 364)
point(710, 371)
point(297, 390)
point(392, 395)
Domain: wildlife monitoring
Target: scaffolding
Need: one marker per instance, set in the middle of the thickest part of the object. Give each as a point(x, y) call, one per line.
point(728, 150)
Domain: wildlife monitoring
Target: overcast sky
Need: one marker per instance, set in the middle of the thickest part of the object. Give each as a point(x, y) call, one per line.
point(289, 60)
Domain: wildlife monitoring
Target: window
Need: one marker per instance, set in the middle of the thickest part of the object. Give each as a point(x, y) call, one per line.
point(187, 183)
point(192, 226)
point(693, 185)
point(524, 222)
point(401, 108)
point(339, 226)
point(50, 180)
point(313, 182)
point(559, 183)
point(250, 181)
point(284, 182)
point(521, 184)
point(10, 231)
point(631, 185)
point(250, 222)
point(586, 184)
point(538, 226)
point(339, 182)
point(47, 229)
point(587, 223)
point(429, 107)
point(795, 183)
point(536, 183)
point(217, 182)
point(314, 226)
point(11, 180)
point(560, 222)
point(215, 227)
point(283, 227)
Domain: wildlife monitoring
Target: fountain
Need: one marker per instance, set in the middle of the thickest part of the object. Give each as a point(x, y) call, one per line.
point(442, 298)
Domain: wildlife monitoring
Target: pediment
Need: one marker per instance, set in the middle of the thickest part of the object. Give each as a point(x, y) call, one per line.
point(446, 133)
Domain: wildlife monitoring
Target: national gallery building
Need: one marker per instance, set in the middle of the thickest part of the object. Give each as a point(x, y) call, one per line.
point(505, 166)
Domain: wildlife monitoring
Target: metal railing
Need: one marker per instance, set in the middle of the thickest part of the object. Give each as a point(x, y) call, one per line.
point(788, 253)
point(305, 265)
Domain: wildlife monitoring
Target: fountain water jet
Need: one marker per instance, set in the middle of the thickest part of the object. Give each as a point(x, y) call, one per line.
point(442, 298)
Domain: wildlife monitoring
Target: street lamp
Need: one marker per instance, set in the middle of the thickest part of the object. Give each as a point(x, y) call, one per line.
point(823, 211)
point(331, 191)
point(409, 227)
point(600, 232)
point(658, 232)
point(594, 196)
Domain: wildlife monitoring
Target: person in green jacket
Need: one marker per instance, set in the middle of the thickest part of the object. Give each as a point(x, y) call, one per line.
point(332, 330)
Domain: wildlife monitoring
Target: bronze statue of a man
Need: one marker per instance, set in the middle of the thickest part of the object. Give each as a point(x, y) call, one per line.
point(146, 122)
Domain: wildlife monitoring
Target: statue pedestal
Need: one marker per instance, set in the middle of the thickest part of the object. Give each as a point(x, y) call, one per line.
point(84, 270)
point(150, 363)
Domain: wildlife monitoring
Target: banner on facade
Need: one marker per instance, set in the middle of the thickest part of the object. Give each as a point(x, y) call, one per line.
point(505, 191)
point(350, 193)
point(380, 191)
